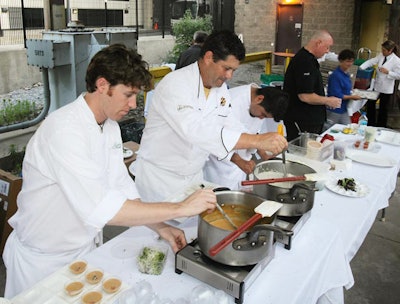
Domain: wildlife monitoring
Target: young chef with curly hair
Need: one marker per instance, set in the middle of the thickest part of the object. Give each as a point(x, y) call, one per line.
point(75, 180)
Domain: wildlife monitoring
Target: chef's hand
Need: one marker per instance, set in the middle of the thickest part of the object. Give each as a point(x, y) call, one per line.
point(199, 201)
point(174, 236)
point(333, 102)
point(247, 166)
point(266, 156)
point(272, 142)
point(383, 70)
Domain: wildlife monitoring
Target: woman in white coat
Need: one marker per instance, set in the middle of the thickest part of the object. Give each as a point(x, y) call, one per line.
point(388, 70)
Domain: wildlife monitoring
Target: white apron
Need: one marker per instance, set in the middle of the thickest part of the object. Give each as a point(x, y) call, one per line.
point(22, 259)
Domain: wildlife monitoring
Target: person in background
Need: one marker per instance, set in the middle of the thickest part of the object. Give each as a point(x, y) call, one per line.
point(303, 82)
point(75, 179)
point(250, 105)
point(387, 71)
point(190, 118)
point(192, 54)
point(340, 85)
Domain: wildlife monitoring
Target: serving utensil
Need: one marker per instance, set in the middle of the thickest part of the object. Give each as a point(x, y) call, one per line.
point(314, 177)
point(265, 209)
point(226, 216)
point(284, 169)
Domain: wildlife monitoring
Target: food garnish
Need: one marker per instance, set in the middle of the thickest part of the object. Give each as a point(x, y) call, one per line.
point(151, 261)
point(94, 276)
point(347, 184)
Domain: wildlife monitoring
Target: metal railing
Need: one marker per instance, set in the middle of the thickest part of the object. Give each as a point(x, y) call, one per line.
point(159, 72)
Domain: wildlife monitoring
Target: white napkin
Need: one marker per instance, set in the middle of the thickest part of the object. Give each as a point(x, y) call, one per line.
point(355, 105)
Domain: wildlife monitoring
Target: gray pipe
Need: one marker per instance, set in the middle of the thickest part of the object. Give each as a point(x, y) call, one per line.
point(42, 115)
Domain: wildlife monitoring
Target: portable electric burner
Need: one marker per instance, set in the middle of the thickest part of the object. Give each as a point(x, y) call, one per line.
point(294, 223)
point(234, 280)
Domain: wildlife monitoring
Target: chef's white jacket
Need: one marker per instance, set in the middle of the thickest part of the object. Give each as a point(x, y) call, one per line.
point(384, 83)
point(74, 182)
point(225, 173)
point(182, 129)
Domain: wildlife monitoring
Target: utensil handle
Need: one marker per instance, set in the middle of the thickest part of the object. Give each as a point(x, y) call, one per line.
point(232, 236)
point(226, 216)
point(273, 180)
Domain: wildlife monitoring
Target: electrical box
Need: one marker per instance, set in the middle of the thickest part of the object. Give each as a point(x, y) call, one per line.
point(64, 56)
point(10, 186)
point(47, 53)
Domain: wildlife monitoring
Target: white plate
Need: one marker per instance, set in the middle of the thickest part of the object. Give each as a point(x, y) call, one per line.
point(389, 137)
point(361, 189)
point(372, 147)
point(370, 158)
point(366, 94)
point(127, 152)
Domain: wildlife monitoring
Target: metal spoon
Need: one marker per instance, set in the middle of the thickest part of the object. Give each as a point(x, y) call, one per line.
point(284, 169)
point(222, 211)
point(226, 216)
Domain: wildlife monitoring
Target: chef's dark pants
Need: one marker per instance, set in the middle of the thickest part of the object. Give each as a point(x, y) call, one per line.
point(384, 100)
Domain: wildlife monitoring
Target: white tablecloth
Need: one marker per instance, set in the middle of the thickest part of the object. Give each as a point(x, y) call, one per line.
point(315, 270)
point(315, 264)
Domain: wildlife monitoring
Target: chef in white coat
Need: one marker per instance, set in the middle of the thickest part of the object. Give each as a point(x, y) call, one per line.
point(387, 71)
point(75, 180)
point(250, 105)
point(189, 119)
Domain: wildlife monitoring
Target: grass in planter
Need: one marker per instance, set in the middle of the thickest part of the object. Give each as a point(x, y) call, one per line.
point(18, 111)
point(13, 161)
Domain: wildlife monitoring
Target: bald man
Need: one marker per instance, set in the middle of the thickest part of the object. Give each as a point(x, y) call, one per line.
point(303, 82)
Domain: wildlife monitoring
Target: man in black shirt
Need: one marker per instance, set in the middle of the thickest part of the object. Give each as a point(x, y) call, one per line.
point(193, 52)
point(303, 82)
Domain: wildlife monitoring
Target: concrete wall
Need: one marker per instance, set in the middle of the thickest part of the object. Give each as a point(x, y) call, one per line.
point(256, 20)
point(15, 72)
point(155, 48)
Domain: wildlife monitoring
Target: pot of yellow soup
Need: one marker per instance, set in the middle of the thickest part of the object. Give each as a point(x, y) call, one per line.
point(251, 246)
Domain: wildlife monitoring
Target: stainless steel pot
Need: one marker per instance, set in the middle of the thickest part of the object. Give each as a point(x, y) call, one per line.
point(297, 197)
point(251, 247)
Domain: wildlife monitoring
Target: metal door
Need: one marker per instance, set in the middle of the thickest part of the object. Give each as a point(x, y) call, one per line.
point(288, 29)
point(223, 14)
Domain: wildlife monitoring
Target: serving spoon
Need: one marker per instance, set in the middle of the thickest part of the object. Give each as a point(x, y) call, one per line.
point(220, 208)
point(284, 169)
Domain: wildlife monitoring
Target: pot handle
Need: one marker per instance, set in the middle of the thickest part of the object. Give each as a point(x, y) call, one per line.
point(221, 189)
point(257, 237)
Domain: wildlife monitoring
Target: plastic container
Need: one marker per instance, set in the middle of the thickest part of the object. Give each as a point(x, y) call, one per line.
point(267, 79)
point(299, 146)
point(363, 78)
point(362, 123)
point(151, 259)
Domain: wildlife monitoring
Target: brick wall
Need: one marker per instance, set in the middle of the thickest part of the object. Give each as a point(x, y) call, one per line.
point(256, 20)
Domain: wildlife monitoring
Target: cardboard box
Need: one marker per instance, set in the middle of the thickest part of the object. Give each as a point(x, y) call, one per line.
point(10, 186)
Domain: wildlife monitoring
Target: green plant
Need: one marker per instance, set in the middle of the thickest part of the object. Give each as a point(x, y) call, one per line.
point(13, 162)
point(14, 112)
point(183, 31)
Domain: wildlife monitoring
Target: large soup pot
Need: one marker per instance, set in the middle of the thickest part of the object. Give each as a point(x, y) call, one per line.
point(250, 247)
point(297, 197)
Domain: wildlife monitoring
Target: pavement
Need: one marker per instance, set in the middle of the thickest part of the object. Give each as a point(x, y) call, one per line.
point(376, 266)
